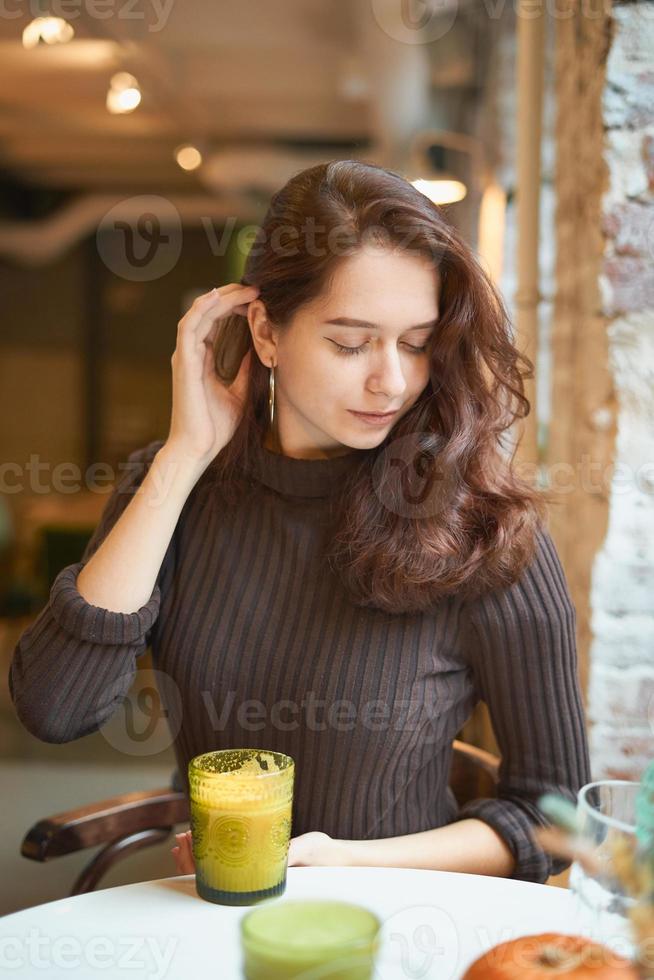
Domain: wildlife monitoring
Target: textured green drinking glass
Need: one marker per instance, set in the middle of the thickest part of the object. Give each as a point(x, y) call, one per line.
point(241, 802)
point(315, 939)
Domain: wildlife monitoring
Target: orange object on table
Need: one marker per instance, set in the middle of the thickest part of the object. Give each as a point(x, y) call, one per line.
point(549, 954)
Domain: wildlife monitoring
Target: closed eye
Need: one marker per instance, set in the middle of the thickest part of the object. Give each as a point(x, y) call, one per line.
point(357, 350)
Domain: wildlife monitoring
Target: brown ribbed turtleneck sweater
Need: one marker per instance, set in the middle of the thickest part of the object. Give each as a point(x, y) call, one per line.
point(264, 649)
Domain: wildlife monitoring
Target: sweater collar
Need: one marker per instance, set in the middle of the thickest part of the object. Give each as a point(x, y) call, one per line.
point(302, 477)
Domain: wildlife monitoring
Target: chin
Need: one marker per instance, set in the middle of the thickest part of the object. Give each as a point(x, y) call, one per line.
point(365, 440)
point(363, 437)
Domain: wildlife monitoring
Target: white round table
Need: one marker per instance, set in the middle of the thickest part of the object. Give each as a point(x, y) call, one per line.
point(435, 923)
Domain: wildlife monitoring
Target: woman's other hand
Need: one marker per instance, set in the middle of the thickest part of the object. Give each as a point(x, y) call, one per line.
point(183, 854)
point(314, 849)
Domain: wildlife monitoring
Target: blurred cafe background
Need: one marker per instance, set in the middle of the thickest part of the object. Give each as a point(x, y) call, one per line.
point(139, 145)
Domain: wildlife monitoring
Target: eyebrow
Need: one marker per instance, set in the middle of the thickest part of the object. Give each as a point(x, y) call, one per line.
point(346, 321)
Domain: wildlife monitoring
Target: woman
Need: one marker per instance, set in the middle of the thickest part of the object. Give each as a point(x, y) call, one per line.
point(339, 588)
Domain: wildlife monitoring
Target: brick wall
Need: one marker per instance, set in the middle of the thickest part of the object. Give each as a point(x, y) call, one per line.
point(602, 434)
point(621, 681)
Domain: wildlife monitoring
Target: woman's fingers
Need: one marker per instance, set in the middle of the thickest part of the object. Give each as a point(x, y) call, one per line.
point(188, 843)
point(183, 854)
point(209, 335)
point(209, 307)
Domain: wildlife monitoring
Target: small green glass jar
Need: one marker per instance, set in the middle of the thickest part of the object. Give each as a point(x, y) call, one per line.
point(241, 804)
point(314, 939)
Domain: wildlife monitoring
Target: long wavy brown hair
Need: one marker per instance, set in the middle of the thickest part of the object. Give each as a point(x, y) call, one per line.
point(437, 508)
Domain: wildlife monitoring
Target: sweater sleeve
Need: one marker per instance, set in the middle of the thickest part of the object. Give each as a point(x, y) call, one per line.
point(520, 642)
point(73, 666)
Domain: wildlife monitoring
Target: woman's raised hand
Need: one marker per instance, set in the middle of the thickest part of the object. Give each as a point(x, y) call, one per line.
point(206, 412)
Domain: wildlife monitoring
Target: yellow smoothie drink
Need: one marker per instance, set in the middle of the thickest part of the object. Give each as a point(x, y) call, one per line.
point(241, 803)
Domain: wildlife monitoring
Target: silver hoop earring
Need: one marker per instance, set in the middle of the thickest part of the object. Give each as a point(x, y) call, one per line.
point(271, 396)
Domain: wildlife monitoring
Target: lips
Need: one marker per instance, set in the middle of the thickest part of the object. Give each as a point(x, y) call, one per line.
point(375, 415)
point(375, 419)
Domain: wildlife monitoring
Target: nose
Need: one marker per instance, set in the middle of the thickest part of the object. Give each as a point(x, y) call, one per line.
point(387, 376)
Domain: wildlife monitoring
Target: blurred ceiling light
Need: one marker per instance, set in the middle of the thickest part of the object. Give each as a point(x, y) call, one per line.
point(188, 157)
point(122, 80)
point(354, 87)
point(353, 83)
point(124, 101)
point(441, 158)
point(47, 30)
point(442, 190)
point(124, 93)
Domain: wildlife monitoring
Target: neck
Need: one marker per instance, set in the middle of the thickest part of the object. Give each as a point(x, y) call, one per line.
point(272, 442)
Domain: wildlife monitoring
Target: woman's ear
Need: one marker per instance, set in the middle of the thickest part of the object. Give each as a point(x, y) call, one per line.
point(263, 333)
